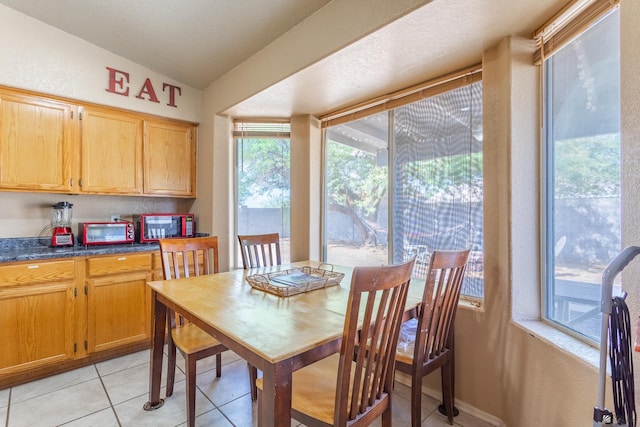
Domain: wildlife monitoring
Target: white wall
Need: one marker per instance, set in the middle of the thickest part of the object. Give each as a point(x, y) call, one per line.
point(40, 58)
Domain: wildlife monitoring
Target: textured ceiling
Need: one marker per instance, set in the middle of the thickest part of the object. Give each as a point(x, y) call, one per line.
point(197, 41)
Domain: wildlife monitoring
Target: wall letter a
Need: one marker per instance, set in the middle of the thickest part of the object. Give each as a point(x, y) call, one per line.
point(147, 88)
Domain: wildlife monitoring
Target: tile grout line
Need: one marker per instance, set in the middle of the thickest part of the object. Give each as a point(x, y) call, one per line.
point(104, 387)
point(6, 421)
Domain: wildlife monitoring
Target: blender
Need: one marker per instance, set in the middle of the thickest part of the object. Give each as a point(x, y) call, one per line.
point(61, 234)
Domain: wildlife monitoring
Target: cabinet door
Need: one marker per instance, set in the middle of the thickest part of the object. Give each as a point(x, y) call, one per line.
point(119, 303)
point(36, 137)
point(169, 159)
point(36, 314)
point(111, 152)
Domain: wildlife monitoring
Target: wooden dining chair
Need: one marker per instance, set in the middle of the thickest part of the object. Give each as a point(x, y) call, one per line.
point(354, 387)
point(186, 258)
point(433, 345)
point(260, 250)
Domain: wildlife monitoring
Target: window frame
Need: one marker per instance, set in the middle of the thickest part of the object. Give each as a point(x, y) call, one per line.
point(252, 129)
point(577, 23)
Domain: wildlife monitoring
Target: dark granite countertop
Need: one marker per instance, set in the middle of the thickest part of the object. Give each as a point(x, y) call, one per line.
point(34, 249)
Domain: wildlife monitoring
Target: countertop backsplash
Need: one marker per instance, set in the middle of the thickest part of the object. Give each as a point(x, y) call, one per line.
point(27, 214)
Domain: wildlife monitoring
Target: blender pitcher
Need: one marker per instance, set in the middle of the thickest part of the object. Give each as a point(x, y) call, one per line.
point(61, 234)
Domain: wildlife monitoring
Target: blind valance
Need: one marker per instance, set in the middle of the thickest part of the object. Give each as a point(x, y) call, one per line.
point(403, 97)
point(569, 22)
point(261, 128)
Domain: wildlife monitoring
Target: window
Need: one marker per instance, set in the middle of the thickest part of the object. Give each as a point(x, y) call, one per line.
point(425, 195)
point(356, 180)
point(438, 181)
point(582, 175)
point(262, 181)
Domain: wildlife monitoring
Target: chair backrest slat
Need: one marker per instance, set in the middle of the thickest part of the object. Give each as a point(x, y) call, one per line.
point(183, 258)
point(189, 257)
point(260, 250)
point(372, 325)
point(439, 303)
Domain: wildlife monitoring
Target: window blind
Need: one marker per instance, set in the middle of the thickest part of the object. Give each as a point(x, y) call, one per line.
point(568, 23)
point(257, 128)
point(403, 97)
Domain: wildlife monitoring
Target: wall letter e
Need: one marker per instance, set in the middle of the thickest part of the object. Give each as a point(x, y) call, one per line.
point(119, 82)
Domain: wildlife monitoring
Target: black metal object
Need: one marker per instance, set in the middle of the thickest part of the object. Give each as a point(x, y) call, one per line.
point(615, 330)
point(443, 411)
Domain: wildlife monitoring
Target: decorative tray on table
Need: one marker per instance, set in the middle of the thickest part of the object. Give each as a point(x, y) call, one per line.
point(285, 283)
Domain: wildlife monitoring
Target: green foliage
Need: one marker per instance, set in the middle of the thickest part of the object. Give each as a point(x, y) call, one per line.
point(264, 171)
point(354, 180)
point(443, 176)
point(587, 167)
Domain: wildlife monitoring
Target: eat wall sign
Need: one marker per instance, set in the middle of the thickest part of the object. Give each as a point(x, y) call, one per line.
point(119, 84)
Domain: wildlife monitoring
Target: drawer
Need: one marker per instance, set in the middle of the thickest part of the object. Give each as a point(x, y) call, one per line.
point(36, 272)
point(103, 266)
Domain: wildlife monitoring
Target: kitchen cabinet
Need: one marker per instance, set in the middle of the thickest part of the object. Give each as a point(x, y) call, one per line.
point(55, 145)
point(111, 152)
point(119, 303)
point(37, 137)
point(38, 314)
point(65, 313)
point(169, 158)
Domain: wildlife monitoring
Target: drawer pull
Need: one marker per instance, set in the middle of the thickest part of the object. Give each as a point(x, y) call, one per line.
point(33, 266)
point(122, 258)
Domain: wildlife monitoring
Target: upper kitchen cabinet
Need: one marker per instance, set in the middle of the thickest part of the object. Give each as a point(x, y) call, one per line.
point(55, 145)
point(169, 158)
point(111, 152)
point(37, 138)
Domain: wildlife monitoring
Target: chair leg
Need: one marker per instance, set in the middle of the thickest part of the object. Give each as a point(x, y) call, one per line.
point(387, 414)
point(447, 389)
point(218, 365)
point(171, 365)
point(253, 376)
point(416, 398)
point(190, 363)
point(259, 398)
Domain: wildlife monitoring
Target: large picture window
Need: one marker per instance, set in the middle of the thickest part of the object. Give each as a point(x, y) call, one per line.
point(438, 180)
point(356, 181)
point(582, 174)
point(406, 181)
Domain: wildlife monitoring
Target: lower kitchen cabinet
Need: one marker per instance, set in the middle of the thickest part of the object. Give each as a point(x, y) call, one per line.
point(119, 303)
point(37, 314)
point(60, 314)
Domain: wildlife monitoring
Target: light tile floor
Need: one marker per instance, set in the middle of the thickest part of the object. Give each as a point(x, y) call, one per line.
point(112, 393)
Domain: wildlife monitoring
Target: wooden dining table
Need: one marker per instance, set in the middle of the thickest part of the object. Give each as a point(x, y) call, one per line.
point(277, 335)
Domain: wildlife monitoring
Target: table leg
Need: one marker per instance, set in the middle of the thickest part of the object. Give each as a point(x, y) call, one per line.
point(155, 368)
point(276, 395)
